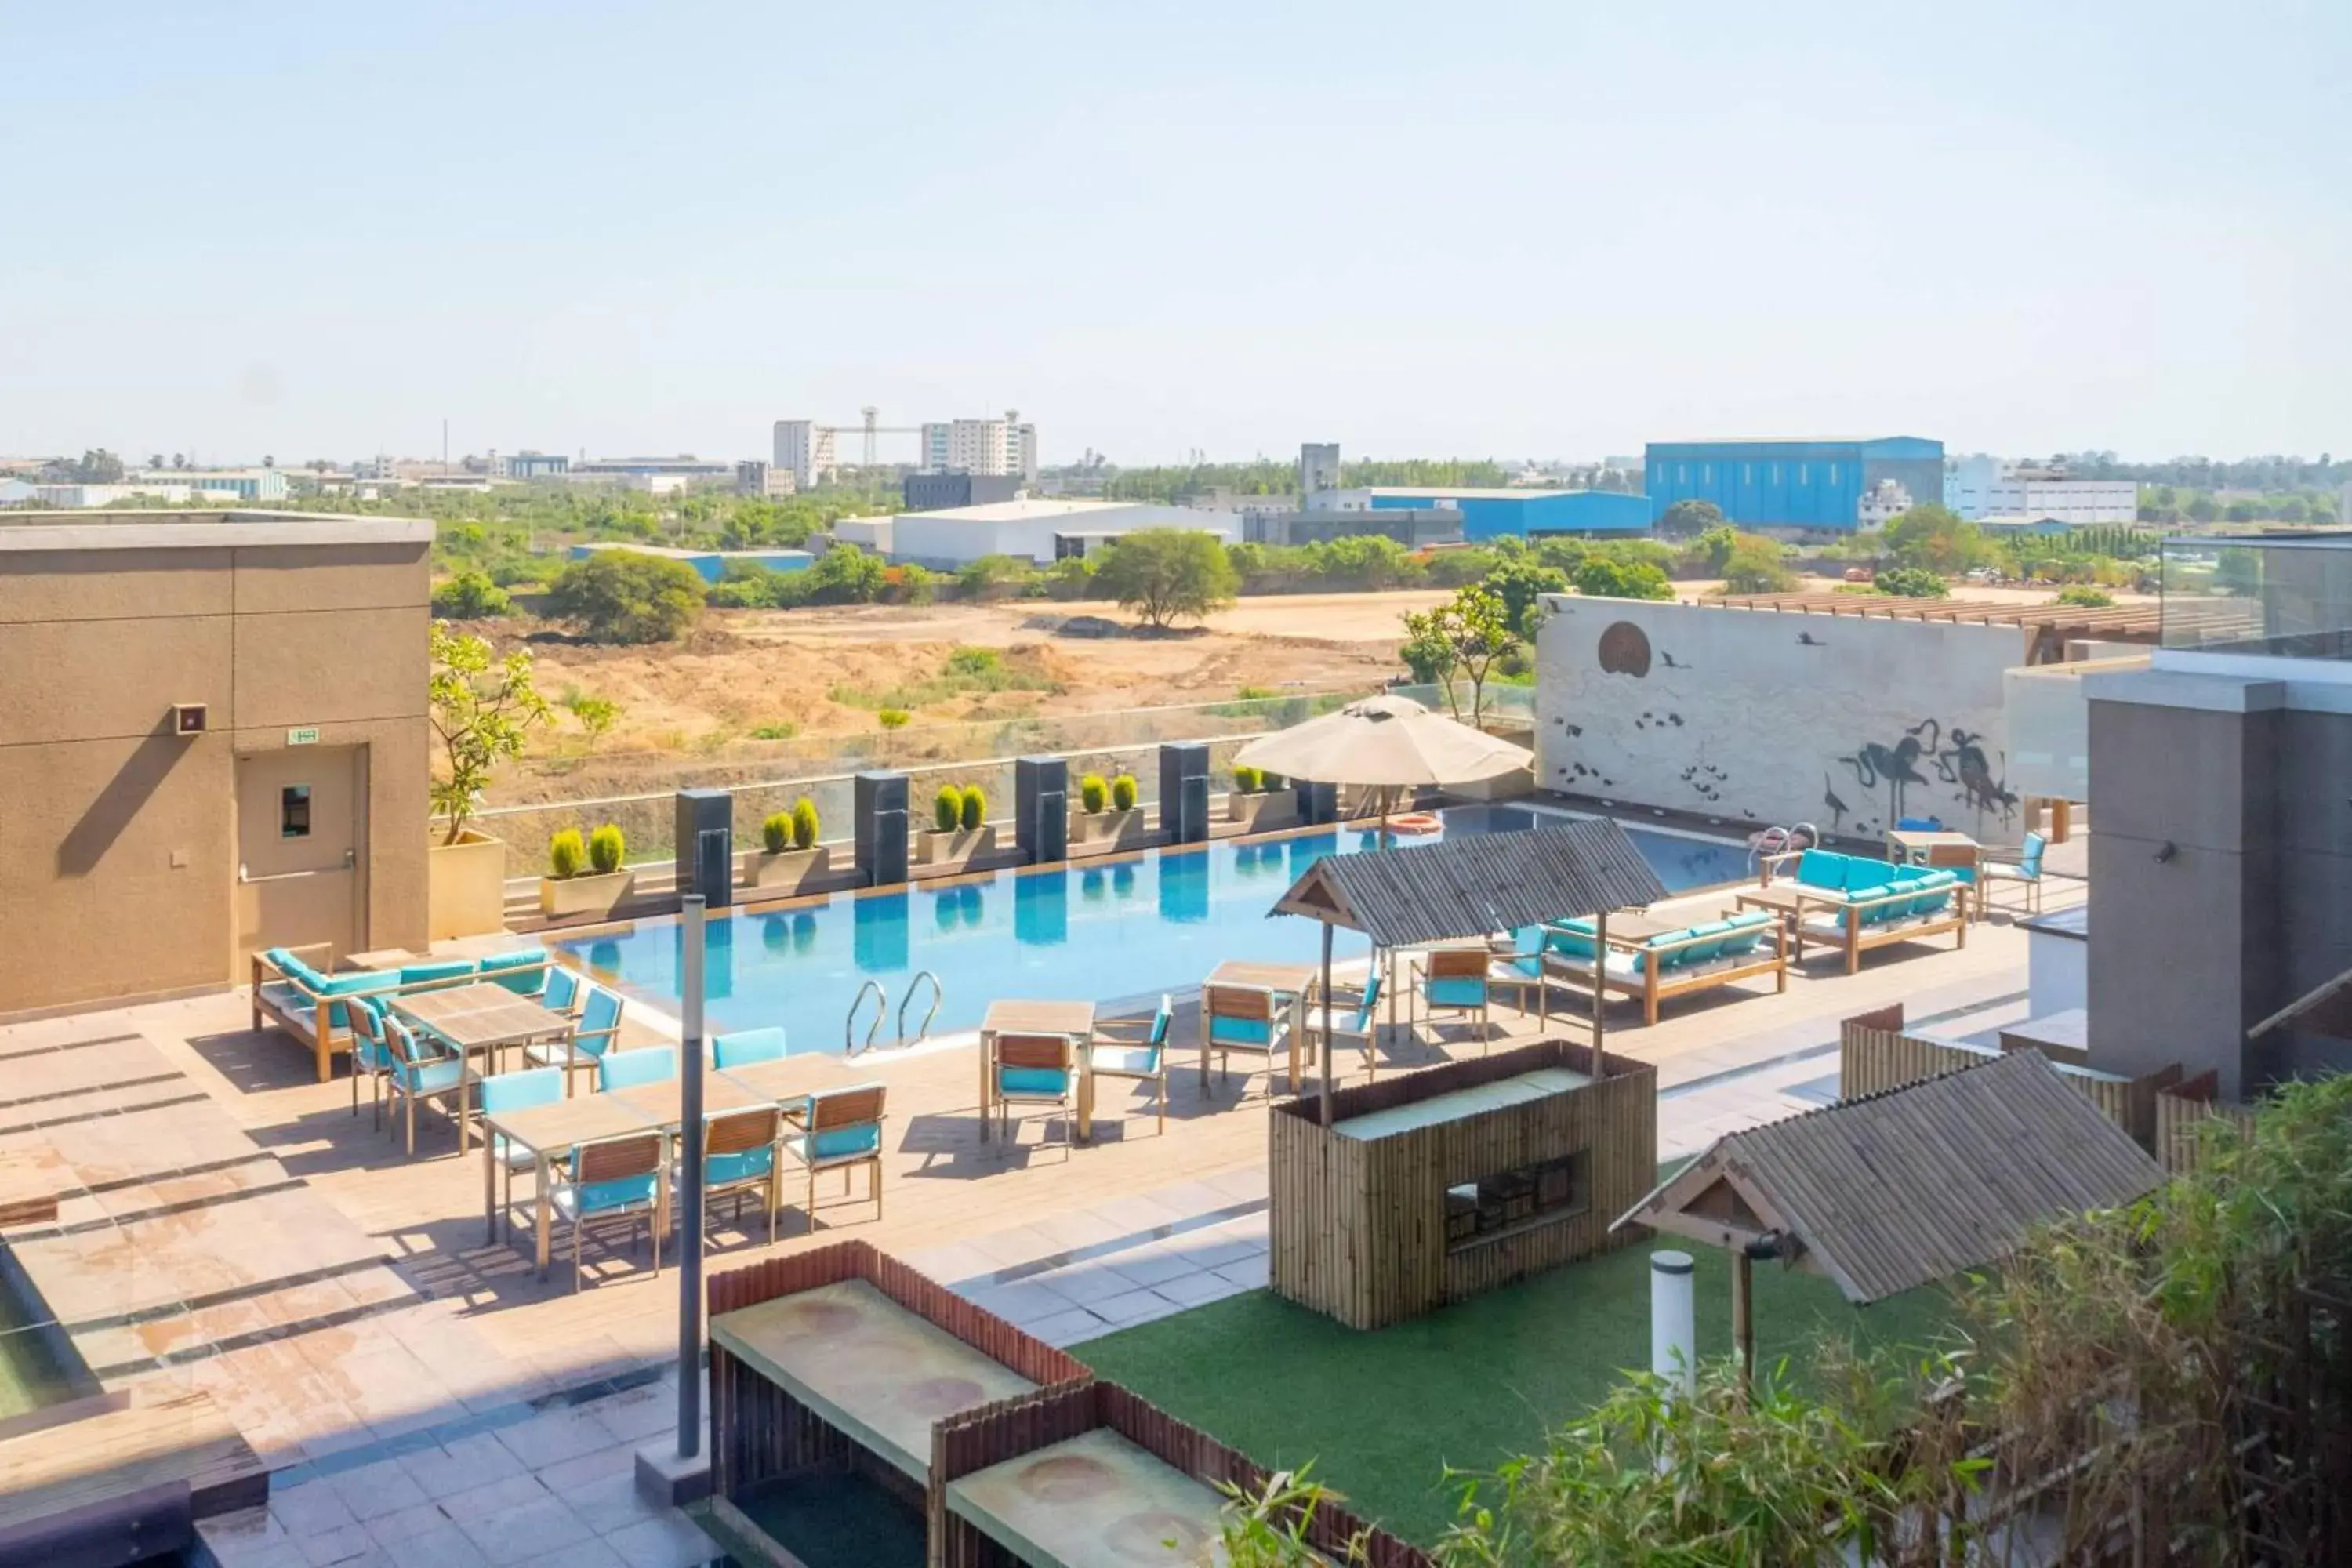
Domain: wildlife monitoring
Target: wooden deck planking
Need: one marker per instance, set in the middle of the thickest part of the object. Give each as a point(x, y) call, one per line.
point(112, 1447)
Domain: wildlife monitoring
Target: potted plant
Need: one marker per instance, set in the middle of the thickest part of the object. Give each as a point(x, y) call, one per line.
point(1257, 796)
point(481, 708)
point(1108, 811)
point(789, 855)
point(567, 890)
point(959, 825)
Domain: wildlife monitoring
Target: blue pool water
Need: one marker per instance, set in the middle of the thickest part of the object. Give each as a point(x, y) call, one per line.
point(1154, 923)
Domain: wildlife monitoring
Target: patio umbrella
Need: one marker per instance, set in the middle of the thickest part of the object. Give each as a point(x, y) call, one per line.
point(1386, 743)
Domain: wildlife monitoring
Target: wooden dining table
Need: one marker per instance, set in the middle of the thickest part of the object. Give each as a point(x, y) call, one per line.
point(1294, 980)
point(482, 1017)
point(1073, 1020)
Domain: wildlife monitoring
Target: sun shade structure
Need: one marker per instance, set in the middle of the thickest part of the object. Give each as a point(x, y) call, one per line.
point(1476, 884)
point(1384, 742)
point(1915, 1185)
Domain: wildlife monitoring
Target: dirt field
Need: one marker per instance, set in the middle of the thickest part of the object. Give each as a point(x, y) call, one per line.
point(828, 671)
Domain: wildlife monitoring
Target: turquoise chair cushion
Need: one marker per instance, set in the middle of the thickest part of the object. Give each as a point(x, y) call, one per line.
point(1707, 951)
point(430, 1077)
point(1823, 868)
point(604, 1197)
point(295, 968)
point(1019, 1080)
point(438, 969)
point(1459, 993)
point(743, 1165)
point(1239, 1031)
point(839, 1142)
point(744, 1046)
point(1748, 931)
point(530, 983)
point(626, 1069)
point(1128, 1061)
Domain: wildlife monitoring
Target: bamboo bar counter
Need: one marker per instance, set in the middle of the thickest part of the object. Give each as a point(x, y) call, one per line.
point(1439, 1185)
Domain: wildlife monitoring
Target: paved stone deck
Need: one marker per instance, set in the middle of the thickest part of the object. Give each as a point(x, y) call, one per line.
point(423, 1398)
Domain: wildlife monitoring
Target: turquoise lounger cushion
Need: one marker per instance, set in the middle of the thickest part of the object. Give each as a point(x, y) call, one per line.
point(604, 1197)
point(1024, 1080)
point(1709, 951)
point(1456, 992)
point(1868, 876)
point(438, 969)
point(530, 960)
point(359, 984)
point(1823, 868)
point(1573, 938)
point(1239, 1031)
point(743, 1165)
point(296, 969)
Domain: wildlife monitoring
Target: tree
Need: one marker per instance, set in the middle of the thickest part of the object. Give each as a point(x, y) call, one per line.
point(1162, 574)
point(846, 574)
point(481, 708)
point(470, 597)
point(1752, 564)
point(995, 577)
point(597, 715)
point(1911, 582)
point(620, 596)
point(1602, 578)
point(1520, 584)
point(1935, 538)
point(1689, 519)
point(1467, 636)
point(154, 459)
point(97, 467)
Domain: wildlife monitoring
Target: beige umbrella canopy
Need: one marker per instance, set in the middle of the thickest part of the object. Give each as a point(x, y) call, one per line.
point(1384, 742)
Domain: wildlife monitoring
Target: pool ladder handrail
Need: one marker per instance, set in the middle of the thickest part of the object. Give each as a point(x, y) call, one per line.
point(849, 1044)
point(1777, 840)
point(938, 997)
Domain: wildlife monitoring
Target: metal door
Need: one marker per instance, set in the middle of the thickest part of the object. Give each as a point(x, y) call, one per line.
point(300, 821)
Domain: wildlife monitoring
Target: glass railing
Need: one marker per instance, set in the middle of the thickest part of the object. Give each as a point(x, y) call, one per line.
point(2280, 596)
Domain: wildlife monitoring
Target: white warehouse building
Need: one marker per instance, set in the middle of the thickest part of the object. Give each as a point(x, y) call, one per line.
point(1033, 529)
point(1980, 486)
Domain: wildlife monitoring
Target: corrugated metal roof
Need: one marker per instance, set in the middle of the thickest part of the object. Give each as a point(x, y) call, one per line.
point(1918, 1184)
point(1473, 885)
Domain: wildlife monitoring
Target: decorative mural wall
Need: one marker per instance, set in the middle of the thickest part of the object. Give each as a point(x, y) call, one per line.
point(1756, 718)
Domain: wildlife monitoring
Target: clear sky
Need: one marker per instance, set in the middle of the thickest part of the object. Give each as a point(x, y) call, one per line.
point(1556, 228)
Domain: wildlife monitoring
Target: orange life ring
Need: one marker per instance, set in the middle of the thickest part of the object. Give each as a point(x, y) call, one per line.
point(1414, 822)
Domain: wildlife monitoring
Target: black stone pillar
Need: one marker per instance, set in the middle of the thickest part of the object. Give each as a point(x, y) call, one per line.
point(1184, 790)
point(1041, 808)
point(1318, 803)
point(878, 803)
point(706, 845)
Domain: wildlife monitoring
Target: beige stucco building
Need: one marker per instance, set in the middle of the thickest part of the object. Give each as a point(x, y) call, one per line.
point(213, 738)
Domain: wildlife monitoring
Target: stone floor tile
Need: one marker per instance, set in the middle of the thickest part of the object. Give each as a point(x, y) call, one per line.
point(1067, 1327)
point(461, 1465)
point(640, 1414)
point(245, 1537)
point(609, 1502)
point(379, 1487)
point(399, 1524)
point(619, 1459)
point(585, 1554)
point(554, 1436)
point(1250, 1273)
point(1193, 1290)
point(1023, 1302)
point(1135, 1307)
point(668, 1539)
point(310, 1508)
point(515, 1491)
point(1214, 1253)
point(1149, 1266)
point(446, 1547)
point(343, 1544)
point(1086, 1282)
point(511, 1535)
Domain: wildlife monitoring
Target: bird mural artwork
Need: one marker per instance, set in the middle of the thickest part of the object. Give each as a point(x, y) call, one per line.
point(1837, 808)
point(1806, 639)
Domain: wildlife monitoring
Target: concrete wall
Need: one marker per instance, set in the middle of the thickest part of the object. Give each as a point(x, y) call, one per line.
point(118, 837)
point(1761, 718)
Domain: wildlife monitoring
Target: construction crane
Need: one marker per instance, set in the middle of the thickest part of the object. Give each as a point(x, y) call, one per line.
point(870, 428)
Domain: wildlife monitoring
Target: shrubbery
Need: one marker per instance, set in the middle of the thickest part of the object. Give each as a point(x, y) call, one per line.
point(893, 718)
point(804, 823)
point(776, 832)
point(1248, 780)
point(975, 807)
point(567, 852)
point(621, 596)
point(2085, 596)
point(606, 848)
point(1093, 792)
point(470, 597)
point(947, 808)
point(1123, 793)
point(1911, 582)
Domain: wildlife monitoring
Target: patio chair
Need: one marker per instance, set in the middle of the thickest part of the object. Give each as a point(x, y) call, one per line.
point(845, 1128)
point(371, 1057)
point(2026, 869)
point(514, 1091)
point(1340, 1019)
point(591, 1037)
point(628, 1070)
point(561, 992)
point(614, 1176)
point(1244, 1018)
point(739, 1155)
point(1136, 1052)
point(1033, 1069)
point(746, 1047)
point(420, 1070)
point(1456, 980)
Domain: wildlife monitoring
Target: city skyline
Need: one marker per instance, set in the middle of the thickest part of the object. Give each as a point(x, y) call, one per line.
point(1543, 236)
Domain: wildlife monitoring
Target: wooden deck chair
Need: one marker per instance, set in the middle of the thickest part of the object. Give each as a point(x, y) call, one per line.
point(845, 1128)
point(1245, 1018)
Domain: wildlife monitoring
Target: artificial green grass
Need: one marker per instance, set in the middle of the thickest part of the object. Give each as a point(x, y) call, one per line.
point(1383, 1414)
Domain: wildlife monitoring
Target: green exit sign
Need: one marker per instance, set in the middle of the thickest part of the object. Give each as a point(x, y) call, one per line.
point(307, 735)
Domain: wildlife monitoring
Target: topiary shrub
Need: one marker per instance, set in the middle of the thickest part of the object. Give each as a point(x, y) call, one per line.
point(804, 823)
point(605, 847)
point(776, 832)
point(1248, 780)
point(566, 853)
point(1123, 793)
point(947, 808)
point(893, 718)
point(1093, 792)
point(1266, 780)
point(975, 807)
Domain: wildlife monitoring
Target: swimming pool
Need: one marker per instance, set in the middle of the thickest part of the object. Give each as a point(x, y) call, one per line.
point(1129, 931)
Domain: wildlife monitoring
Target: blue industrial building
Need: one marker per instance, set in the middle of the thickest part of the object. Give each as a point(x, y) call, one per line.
point(1492, 513)
point(710, 565)
point(1814, 485)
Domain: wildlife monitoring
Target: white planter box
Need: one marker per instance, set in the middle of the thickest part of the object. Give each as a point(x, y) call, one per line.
point(961, 844)
point(787, 871)
point(466, 886)
point(560, 898)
